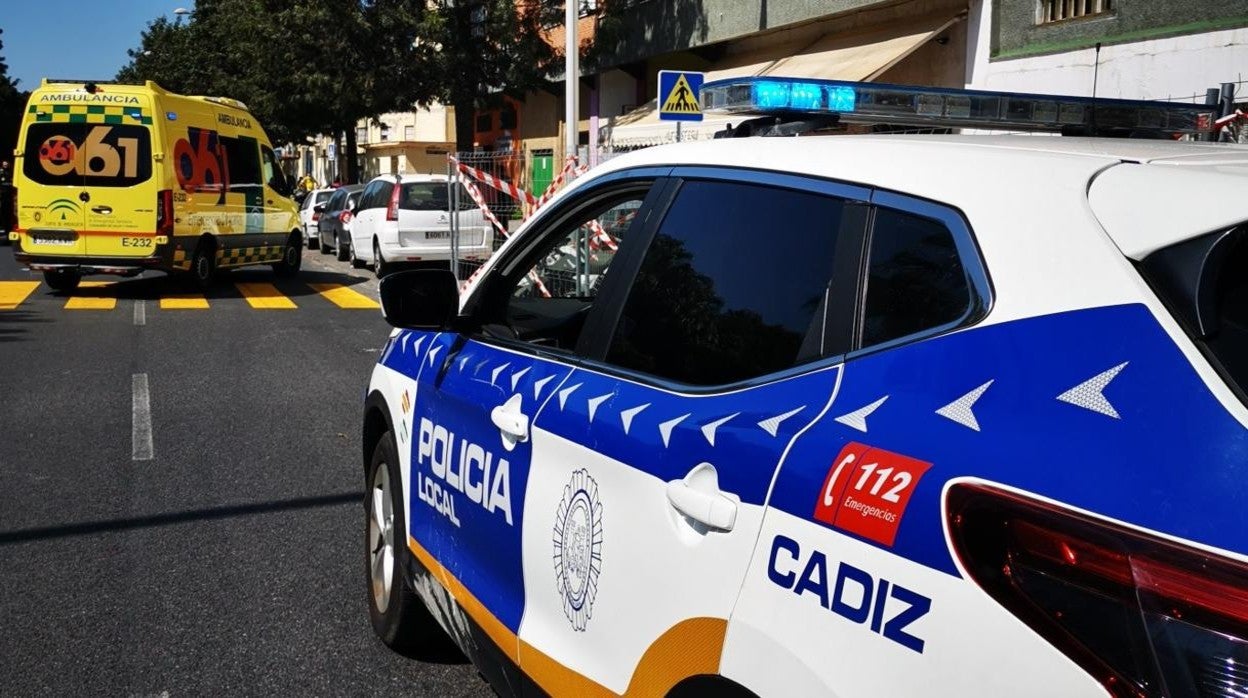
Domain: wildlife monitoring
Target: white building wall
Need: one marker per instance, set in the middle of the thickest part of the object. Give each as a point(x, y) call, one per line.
point(1176, 68)
point(617, 93)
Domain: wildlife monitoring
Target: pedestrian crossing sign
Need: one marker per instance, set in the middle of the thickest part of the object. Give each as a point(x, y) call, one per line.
point(679, 95)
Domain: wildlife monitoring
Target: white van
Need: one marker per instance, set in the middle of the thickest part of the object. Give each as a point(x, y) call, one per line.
point(407, 218)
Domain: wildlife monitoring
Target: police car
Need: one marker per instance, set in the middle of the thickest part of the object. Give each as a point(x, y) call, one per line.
point(861, 415)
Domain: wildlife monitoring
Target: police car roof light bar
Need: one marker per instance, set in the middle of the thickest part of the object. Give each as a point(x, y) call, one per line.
point(936, 107)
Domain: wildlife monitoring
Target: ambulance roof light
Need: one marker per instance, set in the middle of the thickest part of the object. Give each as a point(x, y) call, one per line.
point(935, 107)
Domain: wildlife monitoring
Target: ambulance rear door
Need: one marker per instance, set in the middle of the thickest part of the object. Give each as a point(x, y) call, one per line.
point(121, 183)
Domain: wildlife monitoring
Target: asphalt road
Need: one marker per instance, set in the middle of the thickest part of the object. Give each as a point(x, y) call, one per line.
point(231, 561)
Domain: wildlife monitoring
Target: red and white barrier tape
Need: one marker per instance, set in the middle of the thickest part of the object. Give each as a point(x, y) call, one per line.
point(475, 193)
point(500, 184)
point(555, 184)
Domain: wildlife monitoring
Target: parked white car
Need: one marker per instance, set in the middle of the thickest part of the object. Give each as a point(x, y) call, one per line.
point(308, 217)
point(407, 218)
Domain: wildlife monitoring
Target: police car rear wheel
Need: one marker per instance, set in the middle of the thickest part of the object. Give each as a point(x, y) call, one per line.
point(62, 279)
point(397, 615)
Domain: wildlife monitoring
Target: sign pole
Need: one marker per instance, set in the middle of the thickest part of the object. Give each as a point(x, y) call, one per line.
point(571, 74)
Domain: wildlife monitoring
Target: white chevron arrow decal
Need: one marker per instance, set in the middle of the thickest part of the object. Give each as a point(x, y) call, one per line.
point(627, 416)
point(708, 430)
point(960, 410)
point(858, 418)
point(462, 363)
point(433, 354)
point(406, 337)
point(665, 428)
point(515, 377)
point(416, 346)
point(772, 425)
point(495, 372)
point(594, 402)
point(1090, 394)
point(539, 385)
point(563, 395)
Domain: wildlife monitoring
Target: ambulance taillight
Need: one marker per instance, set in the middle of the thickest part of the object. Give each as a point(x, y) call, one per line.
point(164, 212)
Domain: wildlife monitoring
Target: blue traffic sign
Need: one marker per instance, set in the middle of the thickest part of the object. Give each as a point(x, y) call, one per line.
point(679, 92)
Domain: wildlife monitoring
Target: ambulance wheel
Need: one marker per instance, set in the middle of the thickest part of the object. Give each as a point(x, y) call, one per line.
point(399, 618)
point(203, 265)
point(356, 262)
point(292, 257)
point(62, 279)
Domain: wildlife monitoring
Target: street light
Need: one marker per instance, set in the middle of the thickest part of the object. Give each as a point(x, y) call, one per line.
point(182, 11)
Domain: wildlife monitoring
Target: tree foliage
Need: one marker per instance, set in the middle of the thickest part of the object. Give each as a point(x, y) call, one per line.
point(319, 66)
point(12, 101)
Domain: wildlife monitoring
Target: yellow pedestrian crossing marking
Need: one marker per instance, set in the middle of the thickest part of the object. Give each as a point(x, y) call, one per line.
point(91, 302)
point(103, 295)
point(264, 296)
point(12, 293)
point(188, 301)
point(344, 297)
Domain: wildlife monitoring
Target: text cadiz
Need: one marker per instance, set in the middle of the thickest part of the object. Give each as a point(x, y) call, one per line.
point(460, 465)
point(885, 607)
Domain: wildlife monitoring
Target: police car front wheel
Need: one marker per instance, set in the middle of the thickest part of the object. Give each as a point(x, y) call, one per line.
point(398, 616)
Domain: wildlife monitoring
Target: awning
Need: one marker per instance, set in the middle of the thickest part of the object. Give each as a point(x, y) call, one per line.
point(857, 57)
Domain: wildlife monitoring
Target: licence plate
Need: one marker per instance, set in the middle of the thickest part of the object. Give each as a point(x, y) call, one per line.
point(437, 234)
point(54, 239)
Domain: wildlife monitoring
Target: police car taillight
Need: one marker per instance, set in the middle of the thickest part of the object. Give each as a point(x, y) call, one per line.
point(927, 107)
point(164, 212)
point(1144, 615)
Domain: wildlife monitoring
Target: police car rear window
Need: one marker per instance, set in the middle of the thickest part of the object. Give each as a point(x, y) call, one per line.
point(1204, 283)
point(84, 154)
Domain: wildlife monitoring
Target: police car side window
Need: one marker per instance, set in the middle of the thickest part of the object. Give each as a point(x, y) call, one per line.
point(549, 302)
point(732, 287)
point(916, 281)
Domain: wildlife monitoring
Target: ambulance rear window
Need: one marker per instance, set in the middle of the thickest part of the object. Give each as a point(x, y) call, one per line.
point(95, 155)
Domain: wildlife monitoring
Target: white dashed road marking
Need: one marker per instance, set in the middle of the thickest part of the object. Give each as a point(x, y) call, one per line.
point(141, 432)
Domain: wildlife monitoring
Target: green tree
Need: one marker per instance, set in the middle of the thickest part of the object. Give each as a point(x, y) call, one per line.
point(303, 67)
point(12, 102)
point(484, 49)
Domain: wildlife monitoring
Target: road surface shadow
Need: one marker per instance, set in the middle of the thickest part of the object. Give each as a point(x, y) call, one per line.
point(156, 287)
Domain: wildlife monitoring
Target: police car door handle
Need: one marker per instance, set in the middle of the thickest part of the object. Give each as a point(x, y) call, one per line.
point(699, 498)
point(513, 423)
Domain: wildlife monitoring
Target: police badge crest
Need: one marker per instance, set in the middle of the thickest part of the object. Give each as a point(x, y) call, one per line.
point(578, 547)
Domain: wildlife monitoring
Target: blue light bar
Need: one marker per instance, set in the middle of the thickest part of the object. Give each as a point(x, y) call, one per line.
point(935, 107)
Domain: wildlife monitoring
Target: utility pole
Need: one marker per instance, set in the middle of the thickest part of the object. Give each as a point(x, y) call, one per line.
point(571, 76)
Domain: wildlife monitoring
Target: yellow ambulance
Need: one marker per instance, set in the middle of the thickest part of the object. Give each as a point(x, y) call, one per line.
point(119, 179)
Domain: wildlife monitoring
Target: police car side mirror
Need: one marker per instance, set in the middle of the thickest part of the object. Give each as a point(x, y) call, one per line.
point(421, 299)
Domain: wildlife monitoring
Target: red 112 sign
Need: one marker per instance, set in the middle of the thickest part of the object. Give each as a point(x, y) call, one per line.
point(867, 490)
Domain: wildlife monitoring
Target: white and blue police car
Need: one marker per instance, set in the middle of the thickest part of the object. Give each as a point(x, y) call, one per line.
point(864, 415)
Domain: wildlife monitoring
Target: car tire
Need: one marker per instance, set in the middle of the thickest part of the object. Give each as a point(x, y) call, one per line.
point(203, 265)
point(292, 257)
point(63, 280)
point(321, 239)
point(398, 616)
point(311, 243)
point(343, 251)
point(380, 267)
point(356, 262)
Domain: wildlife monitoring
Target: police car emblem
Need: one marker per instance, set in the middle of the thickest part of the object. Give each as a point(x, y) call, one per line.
point(578, 547)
